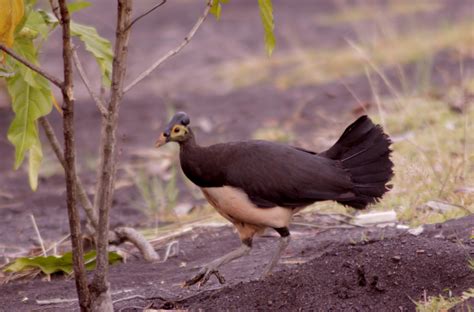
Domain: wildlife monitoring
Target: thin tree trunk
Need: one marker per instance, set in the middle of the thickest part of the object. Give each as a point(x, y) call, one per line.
point(70, 166)
point(100, 294)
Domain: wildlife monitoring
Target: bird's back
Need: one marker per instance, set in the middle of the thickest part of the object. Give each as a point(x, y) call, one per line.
point(271, 174)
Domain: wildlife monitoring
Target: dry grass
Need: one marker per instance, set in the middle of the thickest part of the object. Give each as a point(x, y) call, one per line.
point(433, 156)
point(307, 66)
point(366, 11)
point(444, 303)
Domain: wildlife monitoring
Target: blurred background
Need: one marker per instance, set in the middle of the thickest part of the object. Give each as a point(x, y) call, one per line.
point(408, 64)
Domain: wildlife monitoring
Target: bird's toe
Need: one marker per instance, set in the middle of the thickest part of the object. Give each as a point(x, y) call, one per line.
point(203, 277)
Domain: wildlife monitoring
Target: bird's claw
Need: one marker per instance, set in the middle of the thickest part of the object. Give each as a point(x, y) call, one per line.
point(203, 276)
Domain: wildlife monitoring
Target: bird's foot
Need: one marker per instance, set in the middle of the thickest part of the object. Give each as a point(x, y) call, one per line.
point(203, 276)
point(266, 273)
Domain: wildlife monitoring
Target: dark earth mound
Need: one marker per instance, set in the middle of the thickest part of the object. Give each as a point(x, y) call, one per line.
point(386, 275)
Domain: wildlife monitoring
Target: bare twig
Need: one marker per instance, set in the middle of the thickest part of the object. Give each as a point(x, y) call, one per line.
point(169, 250)
point(35, 226)
point(55, 301)
point(326, 227)
point(140, 297)
point(146, 13)
point(55, 9)
point(30, 65)
point(98, 101)
point(139, 241)
point(70, 162)
point(174, 51)
point(81, 192)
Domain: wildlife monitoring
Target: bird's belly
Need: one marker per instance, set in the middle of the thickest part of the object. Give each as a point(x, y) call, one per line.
point(234, 205)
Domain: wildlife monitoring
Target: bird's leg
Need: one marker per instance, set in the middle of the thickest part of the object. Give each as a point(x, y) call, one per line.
point(283, 242)
point(211, 268)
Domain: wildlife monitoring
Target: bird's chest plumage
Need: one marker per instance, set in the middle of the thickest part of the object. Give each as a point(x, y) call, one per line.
point(234, 205)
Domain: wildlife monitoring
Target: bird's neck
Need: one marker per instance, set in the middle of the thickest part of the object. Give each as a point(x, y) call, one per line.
point(189, 144)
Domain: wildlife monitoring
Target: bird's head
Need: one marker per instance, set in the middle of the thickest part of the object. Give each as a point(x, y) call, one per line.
point(176, 131)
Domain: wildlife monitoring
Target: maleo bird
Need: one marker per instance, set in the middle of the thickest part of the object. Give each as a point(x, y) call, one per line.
point(260, 184)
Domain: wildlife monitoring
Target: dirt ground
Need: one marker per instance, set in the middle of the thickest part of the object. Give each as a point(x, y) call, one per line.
point(340, 269)
point(361, 269)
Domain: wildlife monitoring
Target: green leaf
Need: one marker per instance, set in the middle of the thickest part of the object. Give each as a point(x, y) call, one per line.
point(6, 71)
point(29, 104)
point(34, 163)
point(31, 98)
point(266, 13)
point(77, 6)
point(100, 48)
point(53, 264)
point(35, 23)
point(216, 9)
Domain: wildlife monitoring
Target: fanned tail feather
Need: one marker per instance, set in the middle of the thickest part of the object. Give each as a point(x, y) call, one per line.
point(364, 151)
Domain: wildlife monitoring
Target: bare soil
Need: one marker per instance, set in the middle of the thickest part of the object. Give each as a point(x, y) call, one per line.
point(361, 269)
point(340, 269)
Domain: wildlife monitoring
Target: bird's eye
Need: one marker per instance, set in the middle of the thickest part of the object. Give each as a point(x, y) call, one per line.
point(176, 130)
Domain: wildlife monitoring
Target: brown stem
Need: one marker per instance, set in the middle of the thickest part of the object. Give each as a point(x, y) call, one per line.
point(30, 65)
point(70, 166)
point(106, 171)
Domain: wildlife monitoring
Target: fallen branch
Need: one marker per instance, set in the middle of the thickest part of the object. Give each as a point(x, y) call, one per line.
point(133, 236)
point(55, 301)
point(326, 227)
point(174, 51)
point(31, 66)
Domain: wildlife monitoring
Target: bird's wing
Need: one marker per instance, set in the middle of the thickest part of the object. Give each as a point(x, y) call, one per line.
point(274, 174)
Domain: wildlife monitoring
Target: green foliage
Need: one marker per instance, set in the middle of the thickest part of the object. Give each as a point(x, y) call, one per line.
point(30, 93)
point(53, 264)
point(100, 48)
point(160, 197)
point(77, 6)
point(266, 13)
point(31, 98)
point(34, 163)
point(216, 8)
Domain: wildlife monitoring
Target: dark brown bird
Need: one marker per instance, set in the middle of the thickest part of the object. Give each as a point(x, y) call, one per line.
point(260, 184)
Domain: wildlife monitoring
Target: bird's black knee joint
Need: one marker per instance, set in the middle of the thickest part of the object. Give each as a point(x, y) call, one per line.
point(247, 242)
point(283, 231)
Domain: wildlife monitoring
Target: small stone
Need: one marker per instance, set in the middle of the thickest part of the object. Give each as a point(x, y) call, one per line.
point(420, 251)
point(270, 302)
point(396, 258)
